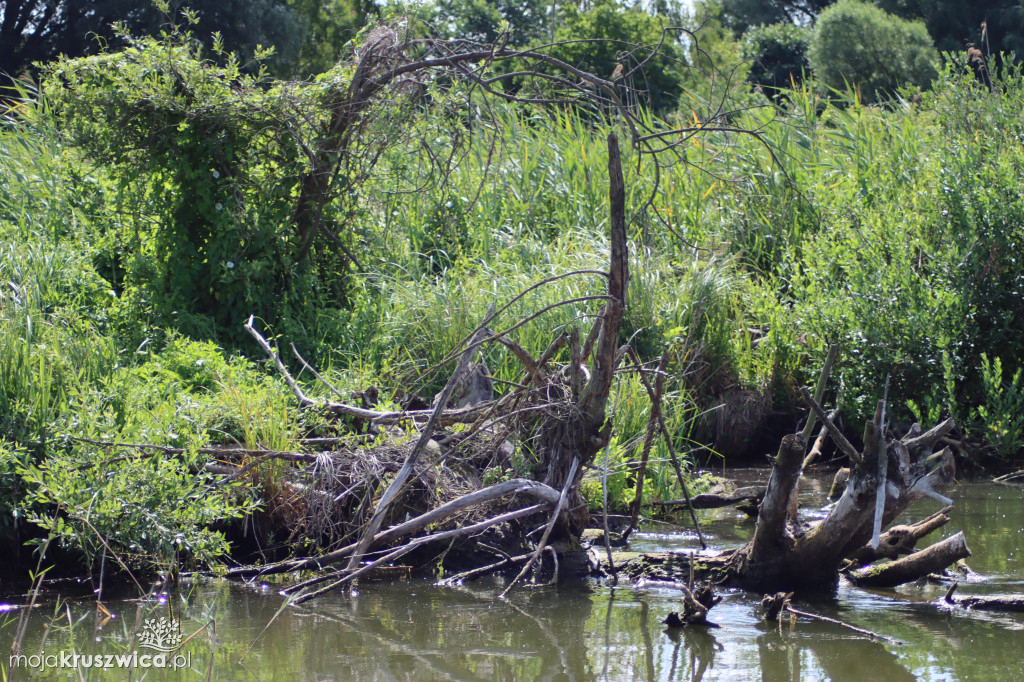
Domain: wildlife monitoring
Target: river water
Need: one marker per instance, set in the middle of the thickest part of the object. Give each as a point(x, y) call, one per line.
point(414, 630)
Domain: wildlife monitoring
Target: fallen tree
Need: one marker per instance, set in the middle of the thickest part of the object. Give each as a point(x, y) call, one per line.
point(990, 602)
point(786, 553)
point(752, 493)
point(565, 408)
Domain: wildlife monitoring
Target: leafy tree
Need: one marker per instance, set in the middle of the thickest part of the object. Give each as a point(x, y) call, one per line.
point(860, 44)
point(325, 28)
point(740, 15)
point(778, 55)
point(482, 19)
point(189, 143)
point(612, 33)
point(39, 30)
point(952, 23)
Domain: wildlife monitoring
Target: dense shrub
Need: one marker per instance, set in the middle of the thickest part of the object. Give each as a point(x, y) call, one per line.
point(858, 45)
point(616, 35)
point(778, 55)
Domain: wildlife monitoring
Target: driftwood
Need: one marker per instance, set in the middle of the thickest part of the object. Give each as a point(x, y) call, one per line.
point(819, 442)
point(918, 565)
point(543, 493)
point(547, 530)
point(406, 471)
point(1011, 477)
point(988, 602)
point(784, 554)
point(774, 605)
point(408, 547)
point(754, 493)
point(900, 540)
point(698, 600)
point(837, 436)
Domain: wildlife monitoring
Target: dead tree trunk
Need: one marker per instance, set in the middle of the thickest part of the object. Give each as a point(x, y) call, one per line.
point(917, 565)
point(581, 432)
point(784, 554)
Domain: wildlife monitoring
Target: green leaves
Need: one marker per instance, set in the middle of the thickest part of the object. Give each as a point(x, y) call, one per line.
point(857, 45)
point(1001, 416)
point(151, 508)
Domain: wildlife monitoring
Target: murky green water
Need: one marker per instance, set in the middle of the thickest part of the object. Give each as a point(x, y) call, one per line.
point(416, 631)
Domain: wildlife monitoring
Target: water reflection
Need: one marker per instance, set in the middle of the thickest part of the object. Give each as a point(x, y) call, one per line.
point(417, 631)
point(700, 646)
point(786, 656)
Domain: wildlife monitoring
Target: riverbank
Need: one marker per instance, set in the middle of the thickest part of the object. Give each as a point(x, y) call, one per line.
point(420, 631)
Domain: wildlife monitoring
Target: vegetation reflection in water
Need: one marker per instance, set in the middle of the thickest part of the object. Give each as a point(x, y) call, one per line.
point(414, 630)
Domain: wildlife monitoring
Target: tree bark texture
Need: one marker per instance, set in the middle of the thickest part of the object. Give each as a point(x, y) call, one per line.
point(582, 431)
point(786, 554)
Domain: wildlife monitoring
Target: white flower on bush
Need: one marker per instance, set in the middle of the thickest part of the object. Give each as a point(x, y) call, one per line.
point(231, 265)
point(216, 174)
point(219, 206)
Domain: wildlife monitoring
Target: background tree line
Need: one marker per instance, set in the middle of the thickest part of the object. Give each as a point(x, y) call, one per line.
point(874, 44)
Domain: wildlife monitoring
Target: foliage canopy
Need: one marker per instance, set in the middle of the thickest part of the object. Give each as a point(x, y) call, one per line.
point(858, 44)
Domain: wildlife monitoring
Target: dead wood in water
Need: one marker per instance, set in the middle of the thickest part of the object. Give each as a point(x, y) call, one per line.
point(988, 602)
point(560, 410)
point(698, 600)
point(774, 605)
point(403, 475)
point(917, 565)
point(753, 493)
point(786, 553)
point(900, 540)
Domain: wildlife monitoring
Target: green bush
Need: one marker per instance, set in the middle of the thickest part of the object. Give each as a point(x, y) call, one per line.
point(778, 55)
point(152, 511)
point(1001, 417)
point(205, 194)
point(616, 34)
point(858, 45)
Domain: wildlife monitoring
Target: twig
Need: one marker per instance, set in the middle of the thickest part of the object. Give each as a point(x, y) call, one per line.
point(819, 442)
point(819, 389)
point(315, 373)
point(524, 357)
point(456, 416)
point(166, 450)
point(832, 621)
point(407, 468)
point(484, 570)
point(672, 452)
point(837, 435)
point(1009, 477)
point(551, 524)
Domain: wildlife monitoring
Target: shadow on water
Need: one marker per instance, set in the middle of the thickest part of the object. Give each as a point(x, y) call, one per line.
point(417, 631)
